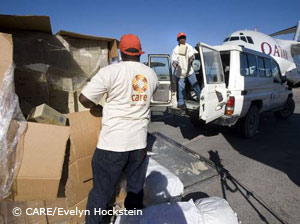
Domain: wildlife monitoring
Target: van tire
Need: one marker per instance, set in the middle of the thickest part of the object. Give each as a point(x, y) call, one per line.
point(287, 111)
point(250, 123)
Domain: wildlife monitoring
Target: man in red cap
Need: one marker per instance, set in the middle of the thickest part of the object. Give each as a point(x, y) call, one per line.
point(182, 56)
point(122, 142)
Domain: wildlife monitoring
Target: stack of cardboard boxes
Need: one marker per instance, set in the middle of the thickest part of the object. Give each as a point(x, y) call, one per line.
point(55, 159)
point(53, 69)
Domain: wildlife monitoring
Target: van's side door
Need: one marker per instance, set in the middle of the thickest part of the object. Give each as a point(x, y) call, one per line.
point(161, 64)
point(280, 92)
point(213, 95)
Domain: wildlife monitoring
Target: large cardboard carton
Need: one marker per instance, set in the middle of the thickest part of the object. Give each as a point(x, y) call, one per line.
point(62, 96)
point(44, 146)
point(51, 68)
point(84, 132)
point(44, 152)
point(6, 54)
point(43, 149)
point(13, 124)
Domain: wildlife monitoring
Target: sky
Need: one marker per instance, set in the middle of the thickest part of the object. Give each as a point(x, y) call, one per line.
point(157, 22)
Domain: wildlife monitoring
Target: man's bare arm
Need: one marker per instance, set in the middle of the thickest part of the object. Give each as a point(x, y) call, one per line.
point(96, 110)
point(86, 102)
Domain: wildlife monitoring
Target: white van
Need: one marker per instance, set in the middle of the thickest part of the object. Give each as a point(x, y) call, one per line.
point(236, 85)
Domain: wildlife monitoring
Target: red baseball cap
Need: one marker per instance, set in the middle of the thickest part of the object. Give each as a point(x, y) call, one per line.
point(130, 44)
point(181, 34)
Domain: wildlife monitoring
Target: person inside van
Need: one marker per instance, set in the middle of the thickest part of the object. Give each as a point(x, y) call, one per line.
point(182, 57)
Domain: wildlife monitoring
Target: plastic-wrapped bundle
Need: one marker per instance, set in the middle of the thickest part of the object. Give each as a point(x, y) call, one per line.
point(215, 210)
point(161, 186)
point(212, 210)
point(13, 125)
point(169, 213)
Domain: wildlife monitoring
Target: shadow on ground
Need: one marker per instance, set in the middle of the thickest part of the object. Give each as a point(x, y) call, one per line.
point(187, 129)
point(277, 144)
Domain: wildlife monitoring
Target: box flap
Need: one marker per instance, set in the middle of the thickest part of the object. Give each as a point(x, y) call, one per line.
point(82, 36)
point(30, 23)
point(114, 49)
point(84, 132)
point(44, 151)
point(84, 169)
point(113, 43)
point(6, 49)
point(35, 189)
point(76, 190)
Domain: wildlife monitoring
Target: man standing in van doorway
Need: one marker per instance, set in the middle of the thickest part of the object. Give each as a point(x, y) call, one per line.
point(123, 138)
point(182, 57)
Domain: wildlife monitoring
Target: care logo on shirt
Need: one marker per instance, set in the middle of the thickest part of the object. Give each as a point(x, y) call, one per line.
point(139, 86)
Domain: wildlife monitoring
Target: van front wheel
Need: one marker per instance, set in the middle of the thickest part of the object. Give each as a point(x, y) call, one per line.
point(287, 110)
point(249, 124)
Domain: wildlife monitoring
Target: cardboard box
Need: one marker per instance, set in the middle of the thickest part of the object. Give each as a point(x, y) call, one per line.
point(47, 115)
point(43, 149)
point(62, 101)
point(65, 59)
point(6, 54)
point(84, 132)
point(43, 146)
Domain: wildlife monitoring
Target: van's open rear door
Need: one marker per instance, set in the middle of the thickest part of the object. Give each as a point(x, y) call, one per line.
point(161, 64)
point(213, 96)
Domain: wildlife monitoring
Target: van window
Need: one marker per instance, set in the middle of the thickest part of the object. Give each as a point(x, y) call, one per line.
point(261, 67)
point(161, 67)
point(225, 57)
point(276, 72)
point(252, 65)
point(244, 68)
point(213, 66)
point(268, 67)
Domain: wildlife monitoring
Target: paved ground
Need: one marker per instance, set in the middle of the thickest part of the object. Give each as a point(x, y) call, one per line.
point(268, 166)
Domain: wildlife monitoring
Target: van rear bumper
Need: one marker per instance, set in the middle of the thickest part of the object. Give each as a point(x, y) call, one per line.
point(227, 120)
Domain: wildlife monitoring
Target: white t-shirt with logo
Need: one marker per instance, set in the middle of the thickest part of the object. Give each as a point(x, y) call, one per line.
point(129, 86)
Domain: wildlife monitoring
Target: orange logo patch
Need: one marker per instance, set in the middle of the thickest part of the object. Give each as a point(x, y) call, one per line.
point(140, 83)
point(139, 86)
